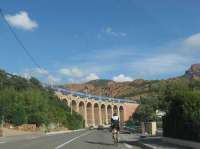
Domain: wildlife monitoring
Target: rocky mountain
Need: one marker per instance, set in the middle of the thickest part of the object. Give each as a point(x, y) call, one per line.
point(132, 90)
point(193, 72)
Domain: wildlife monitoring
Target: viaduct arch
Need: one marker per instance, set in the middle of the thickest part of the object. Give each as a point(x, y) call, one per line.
point(98, 112)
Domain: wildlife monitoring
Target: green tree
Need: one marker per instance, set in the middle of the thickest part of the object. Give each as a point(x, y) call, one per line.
point(27, 101)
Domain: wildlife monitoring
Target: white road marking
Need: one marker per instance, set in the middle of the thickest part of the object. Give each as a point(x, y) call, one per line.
point(128, 146)
point(150, 146)
point(49, 135)
point(35, 137)
point(2, 142)
point(57, 132)
point(62, 132)
point(84, 134)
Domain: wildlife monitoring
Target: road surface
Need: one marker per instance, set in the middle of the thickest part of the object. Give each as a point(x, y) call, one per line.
point(93, 139)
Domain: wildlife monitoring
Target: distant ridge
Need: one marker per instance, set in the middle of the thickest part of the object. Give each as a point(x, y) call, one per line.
point(131, 90)
point(99, 82)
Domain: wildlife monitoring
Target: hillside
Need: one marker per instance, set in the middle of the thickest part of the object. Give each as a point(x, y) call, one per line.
point(134, 89)
point(26, 101)
point(111, 88)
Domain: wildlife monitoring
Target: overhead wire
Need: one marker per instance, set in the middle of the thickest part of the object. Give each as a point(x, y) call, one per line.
point(19, 41)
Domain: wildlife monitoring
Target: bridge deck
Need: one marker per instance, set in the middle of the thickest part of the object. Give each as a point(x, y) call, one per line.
point(84, 95)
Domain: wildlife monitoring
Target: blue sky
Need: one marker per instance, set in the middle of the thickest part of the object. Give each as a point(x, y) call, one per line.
point(123, 40)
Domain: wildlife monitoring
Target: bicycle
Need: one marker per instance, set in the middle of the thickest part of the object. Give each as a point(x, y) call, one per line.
point(115, 136)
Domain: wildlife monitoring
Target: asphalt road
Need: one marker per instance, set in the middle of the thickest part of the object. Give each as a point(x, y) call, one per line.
point(93, 139)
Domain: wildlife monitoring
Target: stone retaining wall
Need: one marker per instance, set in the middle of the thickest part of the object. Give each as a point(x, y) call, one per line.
point(27, 127)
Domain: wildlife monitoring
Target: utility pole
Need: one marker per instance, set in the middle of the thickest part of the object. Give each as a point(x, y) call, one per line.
point(86, 90)
point(2, 121)
point(1, 83)
point(101, 93)
point(71, 106)
point(2, 118)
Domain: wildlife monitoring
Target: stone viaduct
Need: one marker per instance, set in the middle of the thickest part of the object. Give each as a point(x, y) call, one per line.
point(97, 110)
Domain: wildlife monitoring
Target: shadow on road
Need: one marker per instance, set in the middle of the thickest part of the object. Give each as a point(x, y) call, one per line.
point(132, 143)
point(160, 143)
point(100, 143)
point(156, 142)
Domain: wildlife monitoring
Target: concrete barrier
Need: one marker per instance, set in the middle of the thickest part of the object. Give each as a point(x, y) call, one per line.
point(191, 144)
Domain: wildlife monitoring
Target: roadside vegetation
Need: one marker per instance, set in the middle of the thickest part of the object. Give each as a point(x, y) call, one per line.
point(180, 100)
point(25, 101)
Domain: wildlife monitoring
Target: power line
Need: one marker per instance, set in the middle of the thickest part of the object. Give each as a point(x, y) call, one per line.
point(23, 46)
point(19, 41)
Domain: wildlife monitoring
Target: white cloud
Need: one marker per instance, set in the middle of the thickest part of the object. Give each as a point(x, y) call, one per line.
point(52, 79)
point(193, 41)
point(37, 72)
point(21, 20)
point(92, 76)
point(161, 64)
point(26, 75)
point(65, 71)
point(109, 31)
point(74, 72)
point(41, 71)
point(122, 78)
point(76, 75)
point(42, 74)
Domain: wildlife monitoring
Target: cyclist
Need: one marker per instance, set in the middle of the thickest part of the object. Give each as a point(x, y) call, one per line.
point(115, 124)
